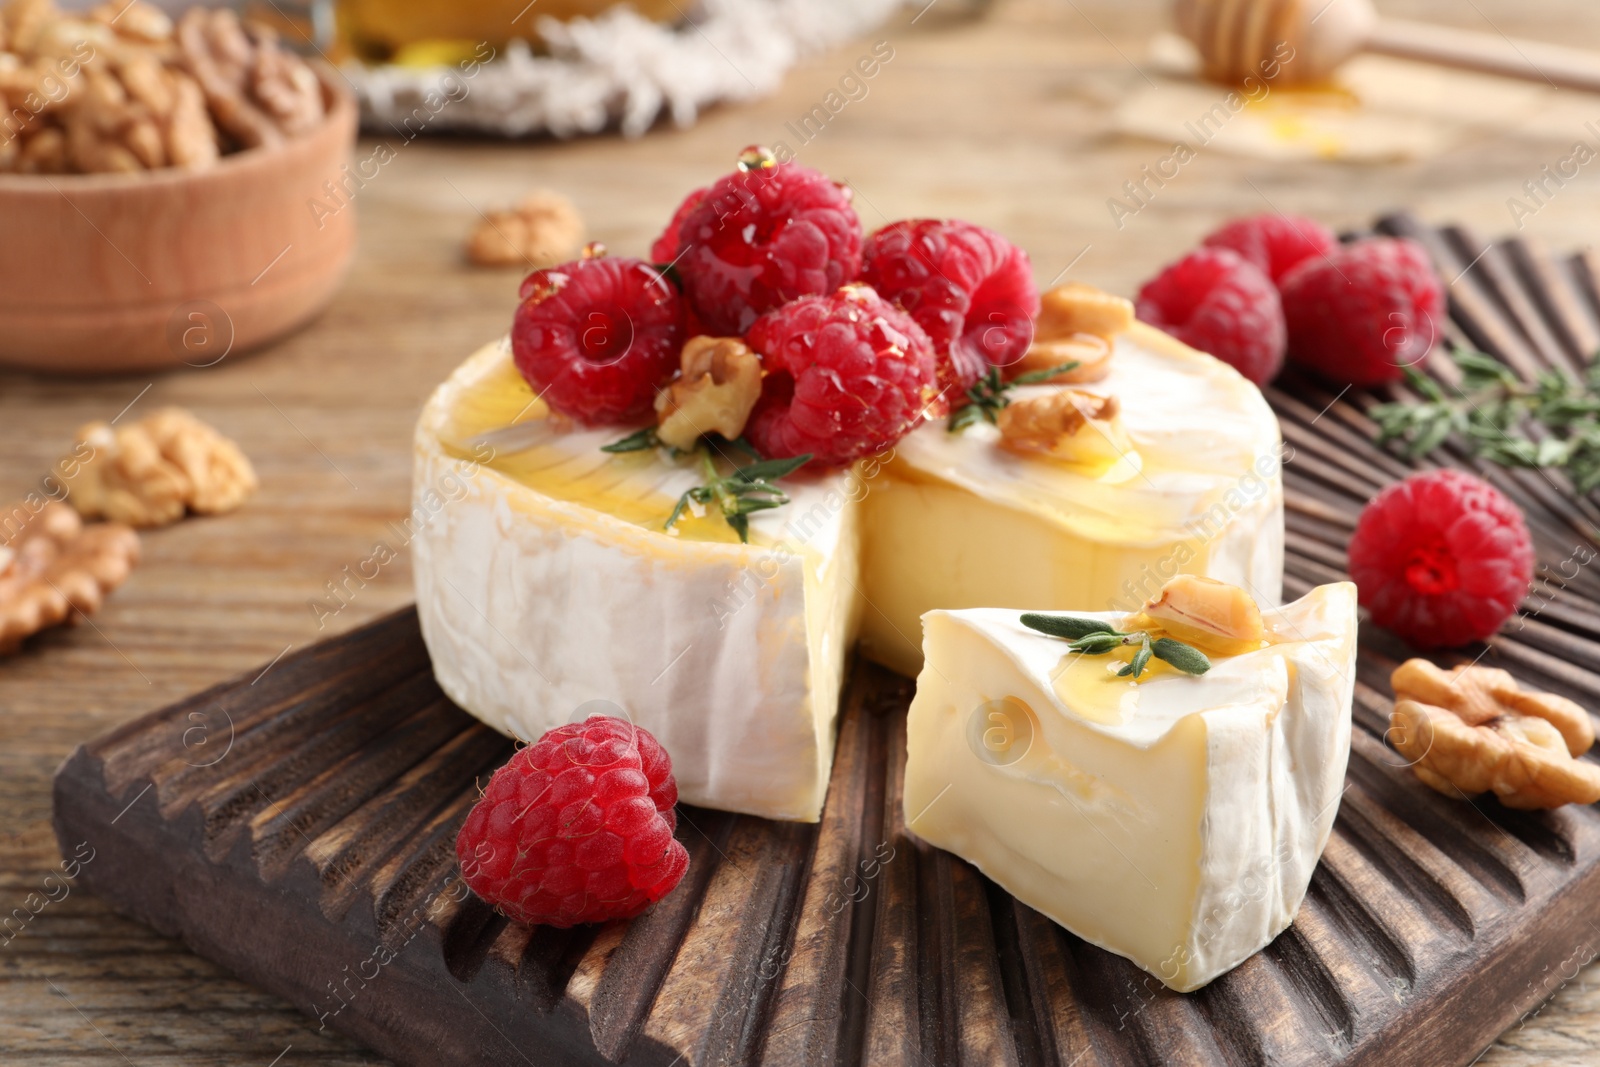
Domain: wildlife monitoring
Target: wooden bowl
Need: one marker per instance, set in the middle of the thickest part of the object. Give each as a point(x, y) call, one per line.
point(114, 272)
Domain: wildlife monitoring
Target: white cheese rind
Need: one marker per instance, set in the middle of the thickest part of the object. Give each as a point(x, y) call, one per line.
point(532, 607)
point(1183, 835)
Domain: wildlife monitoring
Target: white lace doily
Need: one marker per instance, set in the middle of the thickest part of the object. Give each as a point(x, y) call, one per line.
point(618, 69)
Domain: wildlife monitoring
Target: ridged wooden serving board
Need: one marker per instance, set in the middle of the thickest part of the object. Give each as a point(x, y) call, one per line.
point(297, 827)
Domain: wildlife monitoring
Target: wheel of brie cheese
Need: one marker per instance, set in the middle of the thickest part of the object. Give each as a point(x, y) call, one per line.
point(547, 578)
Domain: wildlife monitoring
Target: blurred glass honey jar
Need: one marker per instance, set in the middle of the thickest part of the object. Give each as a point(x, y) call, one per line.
point(433, 32)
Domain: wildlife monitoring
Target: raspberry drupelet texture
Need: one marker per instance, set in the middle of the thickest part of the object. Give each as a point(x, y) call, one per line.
point(1441, 558)
point(666, 247)
point(598, 337)
point(1215, 300)
point(1364, 313)
point(760, 237)
point(1275, 243)
point(969, 289)
point(847, 375)
point(576, 828)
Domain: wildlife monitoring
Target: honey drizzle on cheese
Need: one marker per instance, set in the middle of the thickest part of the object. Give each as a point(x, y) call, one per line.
point(625, 485)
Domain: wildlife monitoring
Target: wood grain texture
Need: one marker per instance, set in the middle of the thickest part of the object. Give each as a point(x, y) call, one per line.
point(1001, 118)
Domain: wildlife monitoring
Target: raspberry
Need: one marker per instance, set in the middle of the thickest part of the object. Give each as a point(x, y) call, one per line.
point(598, 337)
point(1275, 243)
point(1215, 300)
point(666, 247)
point(577, 828)
point(1441, 558)
point(847, 376)
point(1364, 313)
point(969, 289)
point(762, 236)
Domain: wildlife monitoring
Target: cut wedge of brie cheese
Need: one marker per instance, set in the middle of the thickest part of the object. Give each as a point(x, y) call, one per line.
point(1175, 820)
point(545, 579)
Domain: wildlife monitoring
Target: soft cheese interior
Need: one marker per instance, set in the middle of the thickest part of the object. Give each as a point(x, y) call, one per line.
point(545, 581)
point(963, 523)
point(1175, 821)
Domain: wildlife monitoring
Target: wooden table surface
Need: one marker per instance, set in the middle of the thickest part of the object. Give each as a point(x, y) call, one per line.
point(999, 116)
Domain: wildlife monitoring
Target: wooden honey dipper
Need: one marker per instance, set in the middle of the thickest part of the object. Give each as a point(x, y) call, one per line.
point(1246, 38)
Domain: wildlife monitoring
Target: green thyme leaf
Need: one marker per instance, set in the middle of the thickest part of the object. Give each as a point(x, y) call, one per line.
point(1430, 436)
point(1552, 453)
point(745, 446)
point(1186, 658)
point(1098, 644)
point(990, 394)
point(985, 398)
point(1071, 627)
point(1034, 377)
point(1141, 660)
point(968, 415)
point(769, 469)
point(635, 442)
point(677, 511)
point(745, 490)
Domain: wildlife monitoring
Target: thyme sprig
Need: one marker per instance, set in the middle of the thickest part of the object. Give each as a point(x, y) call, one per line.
point(989, 394)
point(747, 489)
point(647, 438)
point(1489, 411)
point(638, 441)
point(1092, 637)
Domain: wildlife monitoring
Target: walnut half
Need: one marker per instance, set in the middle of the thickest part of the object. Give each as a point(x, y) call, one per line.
point(720, 384)
point(259, 92)
point(54, 565)
point(1070, 425)
point(542, 230)
point(149, 473)
point(1474, 730)
point(1076, 324)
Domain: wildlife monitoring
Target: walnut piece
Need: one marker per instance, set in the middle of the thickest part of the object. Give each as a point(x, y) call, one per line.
point(543, 229)
point(259, 92)
point(21, 21)
point(1071, 425)
point(1076, 322)
point(720, 384)
point(1211, 615)
point(151, 472)
point(135, 20)
point(1473, 730)
point(1078, 308)
point(54, 565)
